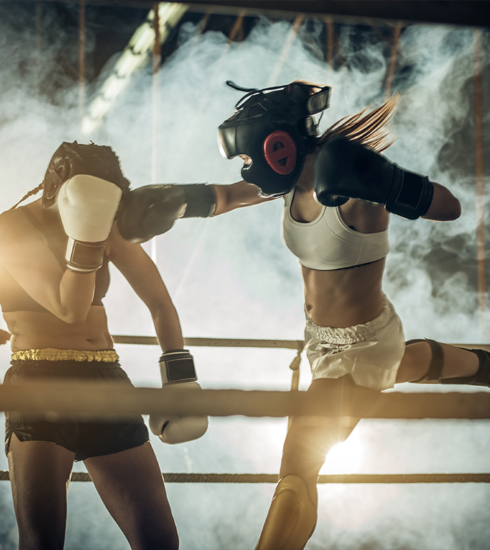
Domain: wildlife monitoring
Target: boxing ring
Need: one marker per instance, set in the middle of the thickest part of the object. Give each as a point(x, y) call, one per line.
point(395, 445)
point(107, 401)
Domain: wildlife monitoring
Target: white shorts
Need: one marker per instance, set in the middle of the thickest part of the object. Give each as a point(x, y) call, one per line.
point(371, 353)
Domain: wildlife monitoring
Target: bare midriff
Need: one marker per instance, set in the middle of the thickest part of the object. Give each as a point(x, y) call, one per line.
point(36, 330)
point(344, 297)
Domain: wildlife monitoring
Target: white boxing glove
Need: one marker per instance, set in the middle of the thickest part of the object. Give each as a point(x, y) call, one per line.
point(87, 207)
point(177, 370)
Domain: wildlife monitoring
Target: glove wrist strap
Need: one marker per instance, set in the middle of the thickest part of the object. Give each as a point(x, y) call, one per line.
point(177, 367)
point(200, 200)
point(411, 194)
point(84, 257)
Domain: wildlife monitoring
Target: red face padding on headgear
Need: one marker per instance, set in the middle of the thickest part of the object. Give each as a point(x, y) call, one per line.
point(275, 129)
point(280, 146)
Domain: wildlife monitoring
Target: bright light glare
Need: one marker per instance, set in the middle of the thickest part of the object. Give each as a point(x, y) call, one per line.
point(344, 458)
point(113, 86)
point(134, 56)
point(127, 63)
point(143, 39)
point(98, 108)
point(88, 126)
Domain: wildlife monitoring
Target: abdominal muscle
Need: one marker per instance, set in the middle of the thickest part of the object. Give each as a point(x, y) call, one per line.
point(37, 330)
point(344, 297)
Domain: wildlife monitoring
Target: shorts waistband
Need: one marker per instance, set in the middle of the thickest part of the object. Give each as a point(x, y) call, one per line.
point(53, 354)
point(354, 334)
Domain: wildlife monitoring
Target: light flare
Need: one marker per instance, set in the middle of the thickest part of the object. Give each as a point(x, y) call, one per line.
point(344, 458)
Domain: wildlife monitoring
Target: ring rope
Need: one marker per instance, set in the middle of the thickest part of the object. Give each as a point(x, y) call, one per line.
point(392, 405)
point(105, 401)
point(323, 479)
point(214, 342)
point(242, 342)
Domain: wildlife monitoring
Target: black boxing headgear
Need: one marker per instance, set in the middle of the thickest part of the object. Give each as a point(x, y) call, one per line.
point(274, 127)
point(71, 159)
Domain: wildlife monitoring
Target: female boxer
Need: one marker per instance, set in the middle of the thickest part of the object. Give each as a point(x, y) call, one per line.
point(338, 193)
point(53, 276)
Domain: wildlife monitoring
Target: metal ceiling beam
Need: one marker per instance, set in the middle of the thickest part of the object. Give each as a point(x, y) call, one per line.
point(473, 13)
point(452, 12)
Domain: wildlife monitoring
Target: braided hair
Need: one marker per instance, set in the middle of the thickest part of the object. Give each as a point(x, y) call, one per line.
point(75, 158)
point(29, 194)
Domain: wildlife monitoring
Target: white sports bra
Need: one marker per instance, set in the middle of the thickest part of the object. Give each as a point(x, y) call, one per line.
point(327, 243)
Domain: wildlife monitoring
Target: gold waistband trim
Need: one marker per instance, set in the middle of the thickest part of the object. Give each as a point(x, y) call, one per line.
point(53, 354)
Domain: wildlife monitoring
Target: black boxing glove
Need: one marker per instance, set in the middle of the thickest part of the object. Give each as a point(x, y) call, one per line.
point(345, 169)
point(152, 210)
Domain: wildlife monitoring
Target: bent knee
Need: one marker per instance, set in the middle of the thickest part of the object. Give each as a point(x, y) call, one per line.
point(415, 362)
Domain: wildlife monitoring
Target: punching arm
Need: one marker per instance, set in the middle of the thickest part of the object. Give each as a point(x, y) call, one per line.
point(344, 169)
point(237, 195)
point(152, 210)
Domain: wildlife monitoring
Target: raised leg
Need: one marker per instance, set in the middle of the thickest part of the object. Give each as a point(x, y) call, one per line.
point(131, 486)
point(292, 516)
point(428, 362)
point(39, 475)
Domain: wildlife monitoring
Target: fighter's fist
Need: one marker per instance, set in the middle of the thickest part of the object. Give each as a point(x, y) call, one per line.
point(177, 370)
point(346, 169)
point(87, 207)
point(153, 209)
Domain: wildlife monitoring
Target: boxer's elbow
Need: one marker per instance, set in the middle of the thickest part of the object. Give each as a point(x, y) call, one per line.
point(453, 210)
point(72, 316)
point(445, 207)
point(447, 212)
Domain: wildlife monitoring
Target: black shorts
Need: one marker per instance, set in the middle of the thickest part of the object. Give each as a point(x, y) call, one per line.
point(85, 439)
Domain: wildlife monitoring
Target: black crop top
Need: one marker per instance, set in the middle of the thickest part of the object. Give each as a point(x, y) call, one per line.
point(14, 298)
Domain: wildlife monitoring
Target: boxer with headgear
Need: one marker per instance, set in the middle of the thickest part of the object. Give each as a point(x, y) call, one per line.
point(54, 275)
point(338, 191)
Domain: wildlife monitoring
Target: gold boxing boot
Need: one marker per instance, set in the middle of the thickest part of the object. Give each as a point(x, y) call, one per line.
point(291, 519)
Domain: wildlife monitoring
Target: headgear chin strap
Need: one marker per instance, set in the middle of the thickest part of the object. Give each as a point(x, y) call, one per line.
point(274, 127)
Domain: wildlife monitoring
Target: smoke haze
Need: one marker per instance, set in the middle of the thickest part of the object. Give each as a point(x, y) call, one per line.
point(232, 276)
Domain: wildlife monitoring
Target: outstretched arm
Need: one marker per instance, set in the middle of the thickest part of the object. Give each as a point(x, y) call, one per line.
point(237, 195)
point(153, 209)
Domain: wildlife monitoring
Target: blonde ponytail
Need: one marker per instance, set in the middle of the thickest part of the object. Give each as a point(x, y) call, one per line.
point(369, 127)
